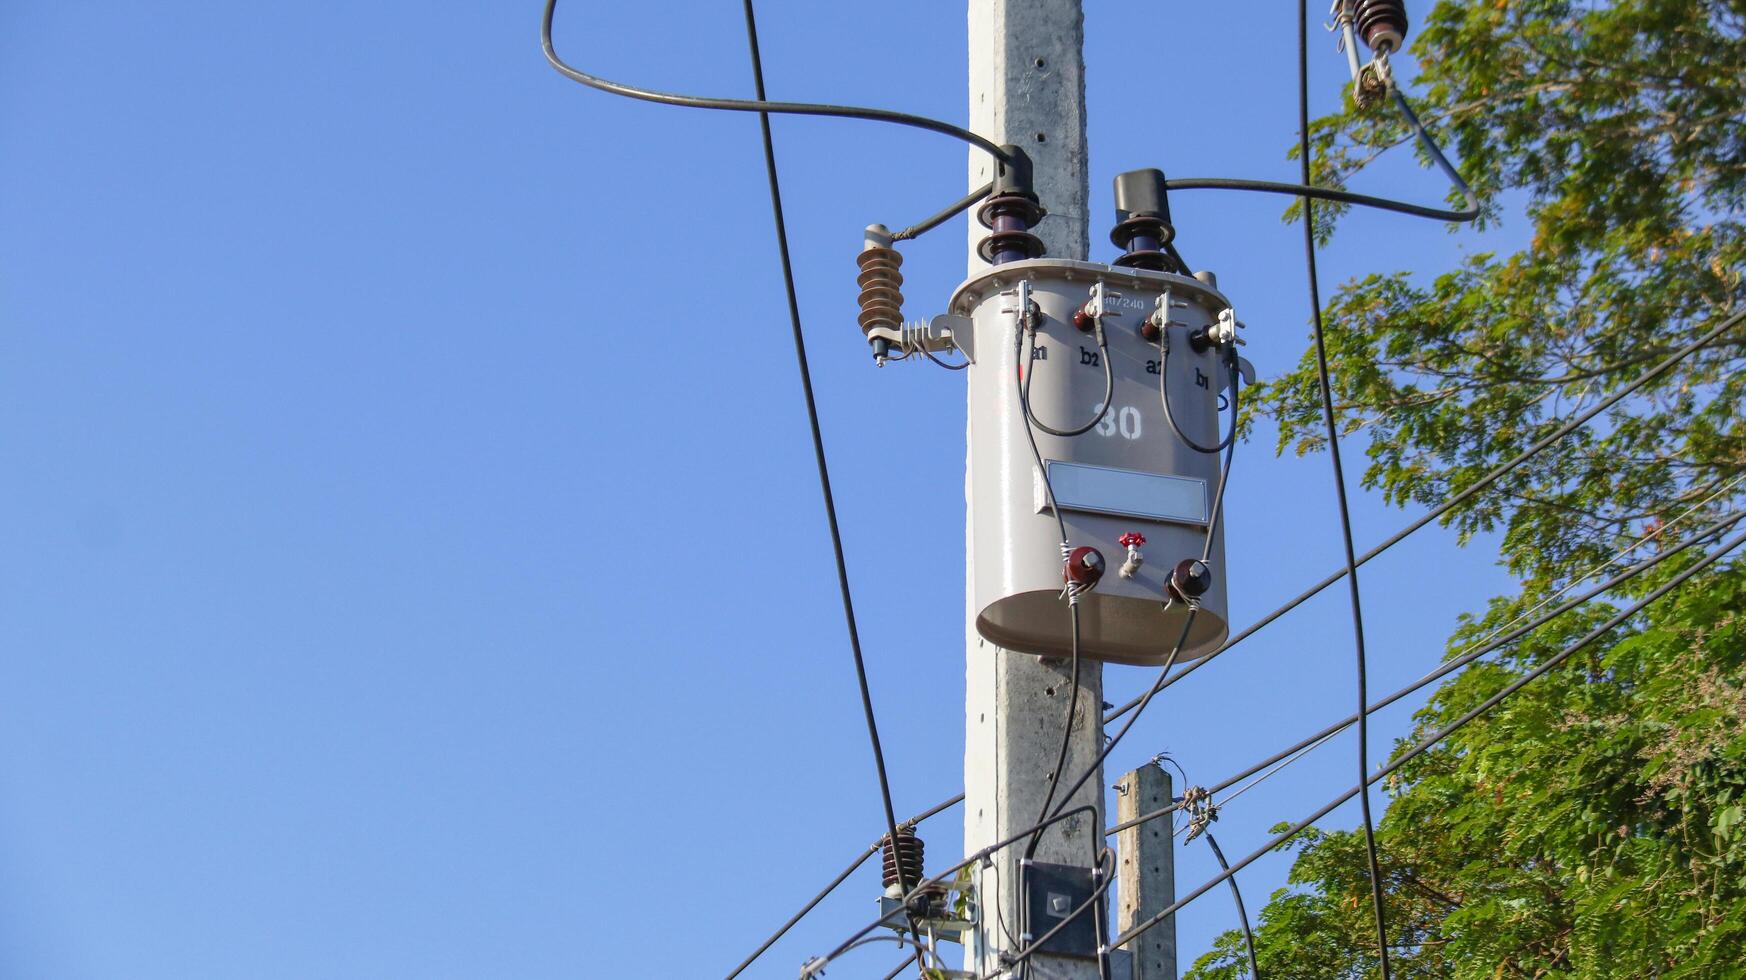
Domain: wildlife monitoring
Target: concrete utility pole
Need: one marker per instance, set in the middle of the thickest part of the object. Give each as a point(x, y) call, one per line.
point(1027, 88)
point(1146, 876)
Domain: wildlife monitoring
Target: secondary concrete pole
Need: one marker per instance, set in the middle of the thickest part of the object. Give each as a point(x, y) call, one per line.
point(1146, 875)
point(1027, 88)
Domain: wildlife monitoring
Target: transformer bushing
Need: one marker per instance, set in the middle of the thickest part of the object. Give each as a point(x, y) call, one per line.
point(1127, 478)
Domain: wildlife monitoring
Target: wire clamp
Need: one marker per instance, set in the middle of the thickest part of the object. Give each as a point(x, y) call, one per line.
point(1201, 810)
point(1018, 301)
point(1153, 328)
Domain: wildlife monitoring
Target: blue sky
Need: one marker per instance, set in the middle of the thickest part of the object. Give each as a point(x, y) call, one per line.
point(411, 563)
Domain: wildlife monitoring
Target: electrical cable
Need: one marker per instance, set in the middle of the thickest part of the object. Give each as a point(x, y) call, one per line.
point(1308, 190)
point(1022, 387)
point(1495, 641)
point(1429, 742)
point(1218, 510)
point(959, 366)
point(824, 476)
point(838, 880)
point(1242, 914)
point(913, 957)
point(1472, 489)
point(1327, 391)
point(1164, 399)
point(759, 106)
point(1029, 333)
point(1023, 955)
point(813, 968)
point(980, 855)
point(926, 225)
point(1498, 472)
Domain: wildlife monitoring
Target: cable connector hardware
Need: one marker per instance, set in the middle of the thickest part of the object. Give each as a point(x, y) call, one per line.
point(1202, 812)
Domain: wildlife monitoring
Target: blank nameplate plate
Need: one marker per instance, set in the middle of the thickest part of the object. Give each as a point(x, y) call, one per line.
point(1124, 493)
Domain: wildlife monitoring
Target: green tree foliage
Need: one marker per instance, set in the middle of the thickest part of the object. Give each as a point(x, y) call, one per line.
point(1595, 824)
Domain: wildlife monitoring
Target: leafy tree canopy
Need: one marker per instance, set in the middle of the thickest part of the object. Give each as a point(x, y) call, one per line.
point(1595, 824)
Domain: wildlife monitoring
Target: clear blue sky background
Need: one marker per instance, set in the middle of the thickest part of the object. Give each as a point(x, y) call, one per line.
point(411, 563)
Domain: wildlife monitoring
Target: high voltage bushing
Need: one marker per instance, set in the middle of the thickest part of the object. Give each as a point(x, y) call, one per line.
point(1142, 220)
point(1382, 24)
point(1010, 212)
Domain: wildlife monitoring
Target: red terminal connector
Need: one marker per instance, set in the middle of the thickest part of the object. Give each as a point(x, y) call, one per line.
point(1084, 320)
point(1084, 568)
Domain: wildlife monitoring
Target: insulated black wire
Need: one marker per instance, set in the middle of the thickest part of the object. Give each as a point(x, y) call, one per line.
point(818, 450)
point(1023, 956)
point(1164, 399)
point(1026, 370)
point(758, 106)
point(1309, 258)
point(1497, 473)
point(1242, 914)
point(838, 880)
point(926, 225)
point(1497, 642)
point(1308, 190)
point(1022, 385)
point(1426, 744)
point(1218, 508)
point(979, 855)
point(903, 966)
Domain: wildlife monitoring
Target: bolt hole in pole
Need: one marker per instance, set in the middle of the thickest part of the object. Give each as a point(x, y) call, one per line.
point(1041, 63)
point(1042, 137)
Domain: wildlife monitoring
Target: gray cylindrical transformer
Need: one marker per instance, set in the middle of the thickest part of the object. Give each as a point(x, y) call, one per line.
point(1130, 473)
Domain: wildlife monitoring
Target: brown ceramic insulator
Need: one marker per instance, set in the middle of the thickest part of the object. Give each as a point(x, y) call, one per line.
point(1084, 567)
point(881, 285)
point(1382, 24)
point(906, 858)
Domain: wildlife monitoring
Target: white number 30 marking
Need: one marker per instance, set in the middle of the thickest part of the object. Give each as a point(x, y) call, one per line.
point(1126, 421)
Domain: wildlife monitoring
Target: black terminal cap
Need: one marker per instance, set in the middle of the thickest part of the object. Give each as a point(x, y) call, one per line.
point(1141, 204)
point(1140, 194)
point(1013, 176)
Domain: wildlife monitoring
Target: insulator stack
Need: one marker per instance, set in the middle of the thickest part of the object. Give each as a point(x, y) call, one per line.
point(905, 859)
point(1010, 212)
point(1142, 220)
point(1382, 24)
point(881, 285)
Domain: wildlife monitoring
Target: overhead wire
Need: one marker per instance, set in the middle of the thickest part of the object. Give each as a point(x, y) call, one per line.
point(1242, 913)
point(951, 211)
point(843, 876)
point(764, 108)
point(818, 449)
point(1469, 654)
point(1496, 641)
point(1456, 500)
point(1468, 212)
point(1372, 863)
point(1426, 744)
point(760, 106)
point(981, 854)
